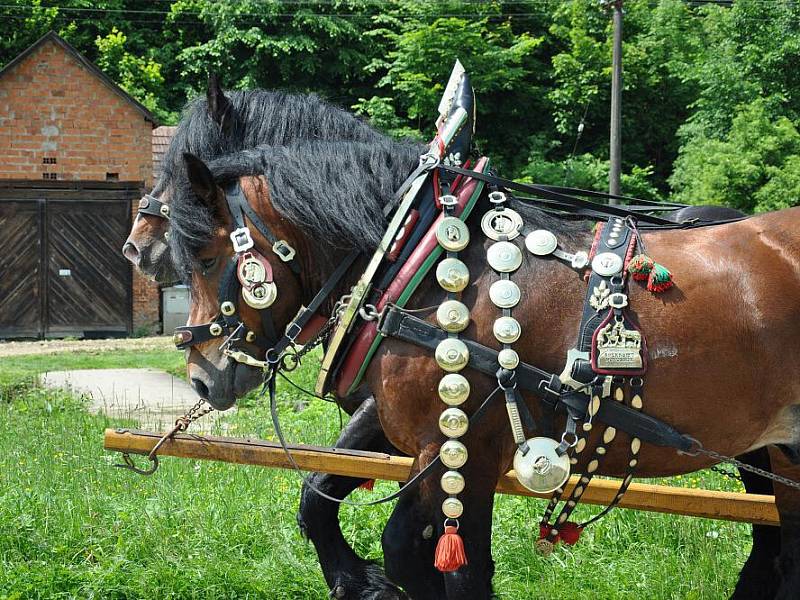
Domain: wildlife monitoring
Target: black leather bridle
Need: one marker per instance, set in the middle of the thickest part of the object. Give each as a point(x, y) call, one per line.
point(150, 205)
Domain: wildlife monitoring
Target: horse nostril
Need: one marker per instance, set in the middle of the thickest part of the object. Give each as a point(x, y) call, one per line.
point(200, 387)
point(131, 252)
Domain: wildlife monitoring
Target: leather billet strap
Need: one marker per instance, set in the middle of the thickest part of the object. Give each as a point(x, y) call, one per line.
point(150, 205)
point(406, 327)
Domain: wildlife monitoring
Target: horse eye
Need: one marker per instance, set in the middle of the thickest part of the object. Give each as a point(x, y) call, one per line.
point(208, 263)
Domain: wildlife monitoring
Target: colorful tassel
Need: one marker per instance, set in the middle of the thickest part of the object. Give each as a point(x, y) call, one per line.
point(660, 279)
point(368, 485)
point(544, 531)
point(570, 533)
point(640, 266)
point(450, 554)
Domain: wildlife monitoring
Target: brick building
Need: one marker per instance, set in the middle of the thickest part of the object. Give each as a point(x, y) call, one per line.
point(75, 156)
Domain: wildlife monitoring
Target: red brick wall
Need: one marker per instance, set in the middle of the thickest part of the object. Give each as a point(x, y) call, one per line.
point(51, 106)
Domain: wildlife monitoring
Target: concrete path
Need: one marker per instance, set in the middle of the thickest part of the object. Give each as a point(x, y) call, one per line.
point(163, 342)
point(153, 398)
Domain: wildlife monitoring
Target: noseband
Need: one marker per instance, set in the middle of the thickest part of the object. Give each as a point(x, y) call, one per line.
point(248, 275)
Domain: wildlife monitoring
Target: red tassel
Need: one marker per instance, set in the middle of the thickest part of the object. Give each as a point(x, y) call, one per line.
point(368, 485)
point(570, 533)
point(450, 555)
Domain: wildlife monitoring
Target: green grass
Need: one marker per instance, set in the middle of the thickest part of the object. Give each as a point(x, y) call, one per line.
point(72, 526)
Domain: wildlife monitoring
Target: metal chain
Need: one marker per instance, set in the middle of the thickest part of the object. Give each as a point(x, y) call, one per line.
point(725, 473)
point(191, 415)
point(741, 465)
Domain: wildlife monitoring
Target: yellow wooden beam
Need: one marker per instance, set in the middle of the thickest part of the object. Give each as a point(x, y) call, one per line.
point(730, 506)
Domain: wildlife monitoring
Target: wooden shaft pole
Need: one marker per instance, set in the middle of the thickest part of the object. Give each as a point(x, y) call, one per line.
point(730, 506)
point(615, 152)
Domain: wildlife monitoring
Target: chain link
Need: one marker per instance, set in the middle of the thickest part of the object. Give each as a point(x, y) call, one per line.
point(725, 472)
point(741, 465)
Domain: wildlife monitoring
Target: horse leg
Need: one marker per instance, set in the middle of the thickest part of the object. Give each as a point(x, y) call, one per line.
point(410, 539)
point(787, 501)
point(758, 578)
point(347, 574)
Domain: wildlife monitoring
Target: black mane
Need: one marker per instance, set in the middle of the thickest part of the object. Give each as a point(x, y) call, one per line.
point(273, 118)
point(335, 191)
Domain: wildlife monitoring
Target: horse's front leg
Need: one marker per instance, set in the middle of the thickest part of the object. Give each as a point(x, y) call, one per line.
point(348, 575)
point(413, 531)
point(787, 501)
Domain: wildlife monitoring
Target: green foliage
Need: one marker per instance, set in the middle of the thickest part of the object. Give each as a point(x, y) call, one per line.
point(540, 68)
point(754, 167)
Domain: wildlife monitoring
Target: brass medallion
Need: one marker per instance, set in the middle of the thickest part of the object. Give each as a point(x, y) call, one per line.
point(452, 234)
point(505, 224)
point(452, 482)
point(507, 330)
point(452, 508)
point(541, 242)
point(260, 296)
point(508, 358)
point(452, 316)
point(504, 293)
point(504, 257)
point(452, 354)
point(251, 271)
point(453, 389)
point(452, 274)
point(453, 422)
point(453, 454)
point(619, 347)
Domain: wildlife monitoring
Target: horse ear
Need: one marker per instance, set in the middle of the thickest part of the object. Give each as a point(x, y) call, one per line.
point(219, 107)
point(201, 180)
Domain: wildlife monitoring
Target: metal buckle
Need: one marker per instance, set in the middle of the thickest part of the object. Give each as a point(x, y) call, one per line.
point(618, 300)
point(497, 197)
point(242, 240)
point(448, 200)
point(293, 335)
point(284, 251)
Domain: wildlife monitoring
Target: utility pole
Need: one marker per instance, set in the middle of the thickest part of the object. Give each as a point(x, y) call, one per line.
point(615, 149)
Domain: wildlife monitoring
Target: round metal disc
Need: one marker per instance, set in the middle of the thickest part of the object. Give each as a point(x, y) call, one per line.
point(453, 454)
point(261, 296)
point(504, 293)
point(452, 316)
point(452, 482)
point(452, 354)
point(507, 330)
point(508, 358)
point(541, 469)
point(453, 422)
point(503, 224)
point(504, 257)
point(452, 508)
point(453, 389)
point(541, 242)
point(452, 274)
point(607, 264)
point(452, 234)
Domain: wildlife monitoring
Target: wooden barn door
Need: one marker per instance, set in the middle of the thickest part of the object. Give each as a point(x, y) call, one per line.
point(71, 278)
point(21, 281)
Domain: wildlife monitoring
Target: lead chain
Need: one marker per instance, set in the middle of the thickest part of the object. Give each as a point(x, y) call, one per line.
point(452, 356)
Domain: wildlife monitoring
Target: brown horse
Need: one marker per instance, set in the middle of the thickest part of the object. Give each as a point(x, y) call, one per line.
point(722, 376)
point(219, 124)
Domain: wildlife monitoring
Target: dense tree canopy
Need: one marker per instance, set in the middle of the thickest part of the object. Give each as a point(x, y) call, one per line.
point(711, 95)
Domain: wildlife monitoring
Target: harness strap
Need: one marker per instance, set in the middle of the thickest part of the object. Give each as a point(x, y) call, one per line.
point(150, 205)
point(408, 328)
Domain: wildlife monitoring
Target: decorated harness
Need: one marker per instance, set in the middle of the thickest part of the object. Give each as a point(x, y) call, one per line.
point(601, 385)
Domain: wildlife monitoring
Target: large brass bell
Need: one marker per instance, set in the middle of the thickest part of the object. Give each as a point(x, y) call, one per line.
point(452, 316)
point(452, 354)
point(452, 274)
point(452, 234)
point(541, 469)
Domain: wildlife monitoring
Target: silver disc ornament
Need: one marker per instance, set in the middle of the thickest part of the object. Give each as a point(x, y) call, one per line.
point(452, 274)
point(508, 358)
point(541, 242)
point(453, 422)
point(504, 293)
point(451, 354)
point(507, 330)
point(541, 469)
point(452, 234)
point(503, 224)
point(504, 257)
point(452, 482)
point(452, 508)
point(607, 264)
